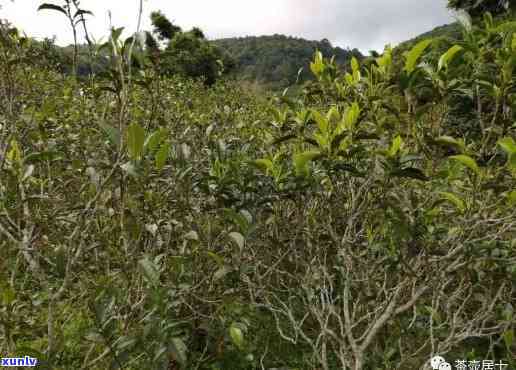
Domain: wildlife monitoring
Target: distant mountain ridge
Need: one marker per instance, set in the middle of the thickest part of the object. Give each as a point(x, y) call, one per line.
point(449, 31)
point(271, 62)
point(275, 60)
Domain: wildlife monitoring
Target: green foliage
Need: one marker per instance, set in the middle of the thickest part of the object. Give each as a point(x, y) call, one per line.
point(191, 56)
point(75, 15)
point(414, 54)
point(186, 53)
point(447, 57)
point(135, 141)
point(148, 221)
point(480, 7)
point(163, 27)
point(46, 6)
point(278, 61)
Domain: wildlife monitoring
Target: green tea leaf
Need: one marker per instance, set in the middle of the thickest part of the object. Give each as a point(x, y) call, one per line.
point(265, 165)
point(333, 114)
point(152, 142)
point(317, 66)
point(60, 261)
point(511, 198)
point(41, 156)
point(415, 53)
point(129, 168)
point(452, 142)
point(150, 271)
point(221, 272)
point(82, 12)
point(302, 160)
point(238, 239)
point(508, 145)
point(218, 259)
point(351, 116)
point(508, 338)
point(125, 342)
point(283, 139)
point(467, 161)
point(385, 61)
point(15, 154)
point(465, 20)
point(192, 235)
point(116, 32)
point(47, 6)
point(447, 57)
point(7, 296)
point(512, 161)
point(237, 336)
point(162, 156)
point(349, 79)
point(321, 120)
point(238, 218)
point(396, 145)
point(135, 141)
point(455, 200)
point(179, 350)
point(29, 170)
point(112, 133)
point(355, 67)
point(412, 173)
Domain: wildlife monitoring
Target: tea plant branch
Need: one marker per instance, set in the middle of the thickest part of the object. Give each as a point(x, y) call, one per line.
point(4, 146)
point(82, 20)
point(83, 226)
point(27, 232)
point(67, 11)
point(136, 35)
point(8, 235)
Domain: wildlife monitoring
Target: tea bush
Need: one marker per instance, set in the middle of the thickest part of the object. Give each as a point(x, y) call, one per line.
point(150, 222)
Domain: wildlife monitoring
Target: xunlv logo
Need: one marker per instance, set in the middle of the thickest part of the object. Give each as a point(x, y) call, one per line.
point(18, 361)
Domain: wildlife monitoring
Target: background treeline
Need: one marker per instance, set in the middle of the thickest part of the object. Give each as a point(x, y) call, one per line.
point(275, 61)
point(271, 62)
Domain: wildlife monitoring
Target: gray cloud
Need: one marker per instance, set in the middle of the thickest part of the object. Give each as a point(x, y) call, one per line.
point(365, 24)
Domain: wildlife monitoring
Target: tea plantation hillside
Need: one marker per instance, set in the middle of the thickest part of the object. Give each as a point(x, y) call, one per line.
point(149, 220)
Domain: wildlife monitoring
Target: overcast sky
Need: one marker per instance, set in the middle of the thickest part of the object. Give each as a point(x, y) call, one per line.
point(364, 24)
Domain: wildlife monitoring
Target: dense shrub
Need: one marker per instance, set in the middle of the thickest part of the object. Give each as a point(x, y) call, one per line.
point(479, 7)
point(150, 222)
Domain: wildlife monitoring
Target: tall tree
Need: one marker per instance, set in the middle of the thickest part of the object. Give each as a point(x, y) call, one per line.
point(478, 7)
point(165, 29)
point(185, 53)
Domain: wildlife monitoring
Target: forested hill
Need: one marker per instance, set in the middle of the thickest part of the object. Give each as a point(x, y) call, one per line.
point(448, 31)
point(275, 60)
point(272, 62)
